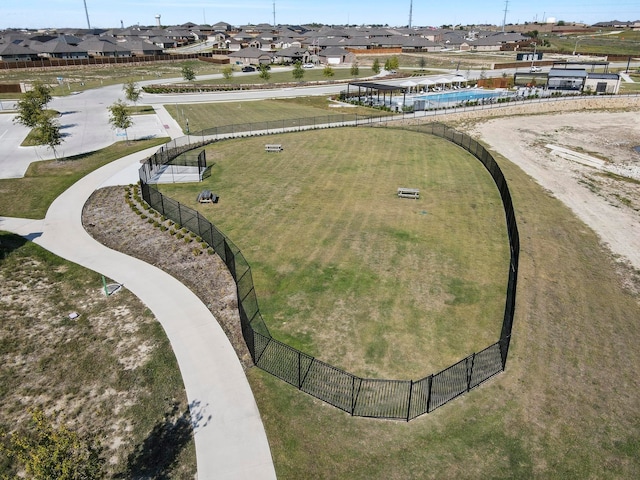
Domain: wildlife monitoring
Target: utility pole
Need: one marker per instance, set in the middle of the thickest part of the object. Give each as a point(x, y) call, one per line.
point(274, 14)
point(86, 12)
point(410, 12)
point(506, 9)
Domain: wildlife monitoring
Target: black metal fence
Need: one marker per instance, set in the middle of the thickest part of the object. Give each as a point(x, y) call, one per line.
point(176, 153)
point(379, 398)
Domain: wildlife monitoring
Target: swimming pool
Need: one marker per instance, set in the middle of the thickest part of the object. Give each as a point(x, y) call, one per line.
point(455, 97)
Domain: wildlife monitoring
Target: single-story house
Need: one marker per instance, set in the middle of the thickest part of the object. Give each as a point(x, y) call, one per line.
point(58, 49)
point(103, 48)
point(251, 56)
point(292, 55)
point(336, 56)
point(16, 52)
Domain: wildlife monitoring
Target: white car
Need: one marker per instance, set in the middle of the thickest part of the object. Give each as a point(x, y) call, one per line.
point(534, 69)
point(307, 65)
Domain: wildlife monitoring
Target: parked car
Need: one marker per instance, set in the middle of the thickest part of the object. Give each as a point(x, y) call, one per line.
point(248, 68)
point(535, 69)
point(308, 65)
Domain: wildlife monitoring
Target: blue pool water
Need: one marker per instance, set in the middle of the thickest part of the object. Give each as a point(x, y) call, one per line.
point(457, 96)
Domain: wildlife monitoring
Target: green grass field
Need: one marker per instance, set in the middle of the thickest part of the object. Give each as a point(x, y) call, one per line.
point(408, 287)
point(566, 406)
point(30, 196)
point(202, 116)
point(621, 42)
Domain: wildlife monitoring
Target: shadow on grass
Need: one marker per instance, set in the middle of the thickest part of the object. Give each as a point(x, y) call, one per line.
point(9, 242)
point(158, 455)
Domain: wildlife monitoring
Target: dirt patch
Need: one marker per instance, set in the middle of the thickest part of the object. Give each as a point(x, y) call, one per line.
point(607, 200)
point(110, 220)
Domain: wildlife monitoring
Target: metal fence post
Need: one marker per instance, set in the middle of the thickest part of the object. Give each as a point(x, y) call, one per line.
point(470, 370)
point(409, 402)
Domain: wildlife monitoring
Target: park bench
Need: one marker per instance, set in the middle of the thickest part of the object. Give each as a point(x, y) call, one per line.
point(273, 147)
point(408, 193)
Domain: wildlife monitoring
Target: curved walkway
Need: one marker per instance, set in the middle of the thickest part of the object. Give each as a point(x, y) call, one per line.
point(229, 436)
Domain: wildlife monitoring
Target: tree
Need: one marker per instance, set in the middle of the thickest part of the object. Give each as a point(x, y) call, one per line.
point(120, 116)
point(32, 105)
point(264, 72)
point(48, 451)
point(355, 69)
point(328, 71)
point(132, 91)
point(376, 66)
point(394, 63)
point(387, 65)
point(298, 71)
point(188, 73)
point(422, 63)
point(227, 72)
point(47, 132)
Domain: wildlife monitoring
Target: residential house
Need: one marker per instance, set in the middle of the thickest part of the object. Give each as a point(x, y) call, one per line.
point(16, 52)
point(251, 56)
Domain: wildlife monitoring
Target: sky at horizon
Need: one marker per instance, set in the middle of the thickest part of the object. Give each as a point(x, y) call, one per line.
point(114, 13)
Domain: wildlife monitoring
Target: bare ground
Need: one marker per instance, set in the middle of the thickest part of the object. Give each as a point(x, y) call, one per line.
point(606, 199)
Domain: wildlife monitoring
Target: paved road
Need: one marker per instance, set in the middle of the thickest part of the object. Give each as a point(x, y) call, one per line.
point(229, 436)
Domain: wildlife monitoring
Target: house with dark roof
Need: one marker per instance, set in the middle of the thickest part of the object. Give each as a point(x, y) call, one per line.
point(102, 47)
point(419, 44)
point(221, 27)
point(251, 56)
point(140, 47)
point(58, 49)
point(336, 56)
point(16, 52)
point(292, 55)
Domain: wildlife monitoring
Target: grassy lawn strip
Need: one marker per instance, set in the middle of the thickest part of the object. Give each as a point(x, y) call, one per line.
point(310, 75)
point(30, 197)
point(110, 373)
point(408, 287)
point(141, 110)
point(566, 407)
point(202, 116)
point(80, 78)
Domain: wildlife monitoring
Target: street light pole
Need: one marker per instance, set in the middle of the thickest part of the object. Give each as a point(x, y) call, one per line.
point(533, 59)
point(576, 45)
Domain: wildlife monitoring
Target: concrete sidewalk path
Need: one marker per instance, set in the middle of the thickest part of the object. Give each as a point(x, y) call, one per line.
point(229, 436)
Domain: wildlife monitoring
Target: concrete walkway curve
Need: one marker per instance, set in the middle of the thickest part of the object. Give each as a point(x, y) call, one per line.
point(229, 435)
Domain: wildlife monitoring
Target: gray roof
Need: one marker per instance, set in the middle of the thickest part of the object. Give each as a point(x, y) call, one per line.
point(604, 76)
point(12, 49)
point(567, 72)
point(334, 51)
point(250, 52)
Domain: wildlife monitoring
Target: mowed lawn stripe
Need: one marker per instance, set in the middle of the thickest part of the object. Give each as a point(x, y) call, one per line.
point(347, 271)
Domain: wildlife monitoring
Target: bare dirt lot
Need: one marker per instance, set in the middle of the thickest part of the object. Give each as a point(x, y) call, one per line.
point(607, 197)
